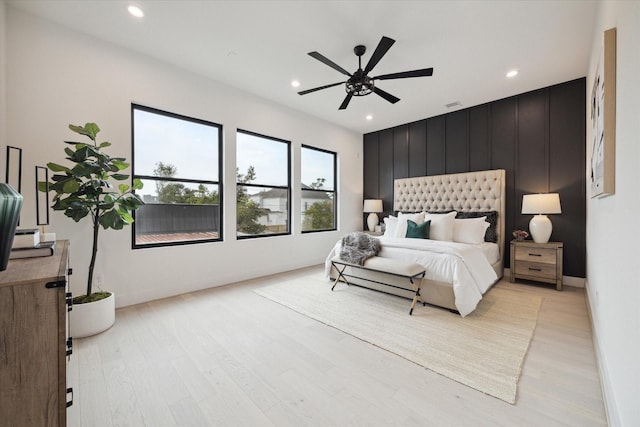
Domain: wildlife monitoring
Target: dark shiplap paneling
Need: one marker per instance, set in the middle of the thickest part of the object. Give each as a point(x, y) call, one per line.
point(503, 122)
point(385, 169)
point(568, 123)
point(436, 160)
point(418, 148)
point(479, 143)
point(401, 152)
point(532, 150)
point(457, 142)
point(537, 137)
point(532, 143)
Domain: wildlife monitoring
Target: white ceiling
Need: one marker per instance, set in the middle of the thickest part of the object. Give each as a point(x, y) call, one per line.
point(261, 46)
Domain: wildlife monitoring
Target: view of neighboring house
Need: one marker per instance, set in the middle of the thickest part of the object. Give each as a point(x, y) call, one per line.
point(275, 205)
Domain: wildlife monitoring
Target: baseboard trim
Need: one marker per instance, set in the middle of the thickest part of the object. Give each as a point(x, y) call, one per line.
point(610, 408)
point(576, 282)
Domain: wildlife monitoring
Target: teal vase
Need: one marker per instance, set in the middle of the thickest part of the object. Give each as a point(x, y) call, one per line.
point(10, 205)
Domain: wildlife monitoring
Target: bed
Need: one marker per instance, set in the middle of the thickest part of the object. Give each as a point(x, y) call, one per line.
point(459, 272)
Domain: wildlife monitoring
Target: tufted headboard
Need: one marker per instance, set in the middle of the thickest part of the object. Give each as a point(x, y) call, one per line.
point(467, 192)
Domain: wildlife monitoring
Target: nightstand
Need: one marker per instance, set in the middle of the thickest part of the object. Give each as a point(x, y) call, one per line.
point(373, 233)
point(541, 262)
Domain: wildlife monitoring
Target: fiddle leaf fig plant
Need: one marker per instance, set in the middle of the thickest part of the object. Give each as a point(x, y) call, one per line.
point(86, 189)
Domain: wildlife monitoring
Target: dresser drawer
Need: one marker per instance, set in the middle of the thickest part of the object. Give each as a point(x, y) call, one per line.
point(536, 255)
point(536, 269)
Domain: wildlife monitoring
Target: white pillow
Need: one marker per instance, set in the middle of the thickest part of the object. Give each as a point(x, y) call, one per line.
point(390, 225)
point(470, 230)
point(441, 226)
point(401, 229)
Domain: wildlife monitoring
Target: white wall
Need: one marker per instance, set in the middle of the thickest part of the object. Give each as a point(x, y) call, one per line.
point(613, 259)
point(56, 77)
point(3, 73)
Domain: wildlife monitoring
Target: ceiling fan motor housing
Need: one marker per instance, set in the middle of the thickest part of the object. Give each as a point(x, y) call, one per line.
point(359, 85)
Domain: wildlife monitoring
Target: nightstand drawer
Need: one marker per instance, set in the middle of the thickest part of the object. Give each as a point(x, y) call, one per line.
point(536, 269)
point(536, 255)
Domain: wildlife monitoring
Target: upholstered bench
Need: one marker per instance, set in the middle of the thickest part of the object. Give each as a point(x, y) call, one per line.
point(409, 270)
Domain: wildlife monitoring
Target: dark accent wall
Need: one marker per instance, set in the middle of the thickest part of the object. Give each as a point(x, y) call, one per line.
point(538, 137)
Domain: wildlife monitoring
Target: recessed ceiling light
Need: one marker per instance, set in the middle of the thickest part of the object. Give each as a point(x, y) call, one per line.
point(295, 83)
point(512, 73)
point(135, 11)
point(369, 117)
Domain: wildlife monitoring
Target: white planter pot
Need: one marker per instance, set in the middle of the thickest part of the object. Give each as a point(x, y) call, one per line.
point(93, 317)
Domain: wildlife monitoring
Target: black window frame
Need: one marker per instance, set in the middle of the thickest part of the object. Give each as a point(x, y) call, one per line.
point(267, 186)
point(218, 183)
point(335, 189)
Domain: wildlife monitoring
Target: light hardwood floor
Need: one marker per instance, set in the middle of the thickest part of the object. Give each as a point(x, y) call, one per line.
point(229, 357)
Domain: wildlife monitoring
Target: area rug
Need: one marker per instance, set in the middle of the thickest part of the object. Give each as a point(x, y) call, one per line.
point(484, 350)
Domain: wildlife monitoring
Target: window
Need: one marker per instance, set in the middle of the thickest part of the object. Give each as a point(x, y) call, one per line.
point(263, 185)
point(178, 160)
point(318, 189)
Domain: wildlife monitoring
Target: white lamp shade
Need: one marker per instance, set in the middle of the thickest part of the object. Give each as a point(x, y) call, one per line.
point(372, 205)
point(548, 203)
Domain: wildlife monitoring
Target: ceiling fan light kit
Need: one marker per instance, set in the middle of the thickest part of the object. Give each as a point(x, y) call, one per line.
point(359, 83)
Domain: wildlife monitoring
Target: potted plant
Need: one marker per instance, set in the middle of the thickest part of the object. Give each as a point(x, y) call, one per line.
point(86, 189)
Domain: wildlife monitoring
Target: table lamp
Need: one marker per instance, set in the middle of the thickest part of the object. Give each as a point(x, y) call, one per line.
point(541, 204)
point(373, 206)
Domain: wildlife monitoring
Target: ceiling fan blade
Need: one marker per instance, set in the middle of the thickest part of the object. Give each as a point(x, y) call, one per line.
point(344, 104)
point(386, 95)
point(304, 92)
point(382, 48)
point(329, 62)
point(425, 72)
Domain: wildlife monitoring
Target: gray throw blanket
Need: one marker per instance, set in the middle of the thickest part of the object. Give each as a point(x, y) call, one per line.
point(357, 247)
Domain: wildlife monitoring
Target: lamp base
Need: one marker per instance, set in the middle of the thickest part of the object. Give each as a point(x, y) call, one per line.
point(540, 227)
point(372, 221)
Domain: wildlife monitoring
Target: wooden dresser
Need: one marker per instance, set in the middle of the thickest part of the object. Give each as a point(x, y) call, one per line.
point(541, 262)
point(33, 340)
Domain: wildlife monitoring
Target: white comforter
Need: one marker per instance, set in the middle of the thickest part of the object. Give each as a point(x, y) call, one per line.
point(462, 265)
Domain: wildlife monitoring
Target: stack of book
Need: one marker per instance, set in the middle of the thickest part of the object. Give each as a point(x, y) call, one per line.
point(27, 244)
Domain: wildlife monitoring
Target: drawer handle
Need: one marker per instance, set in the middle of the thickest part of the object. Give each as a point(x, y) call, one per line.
point(56, 284)
point(69, 347)
point(535, 269)
point(70, 391)
point(69, 299)
point(535, 254)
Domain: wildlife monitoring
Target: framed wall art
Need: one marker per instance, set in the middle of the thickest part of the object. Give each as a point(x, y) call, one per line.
point(42, 197)
point(603, 120)
point(13, 168)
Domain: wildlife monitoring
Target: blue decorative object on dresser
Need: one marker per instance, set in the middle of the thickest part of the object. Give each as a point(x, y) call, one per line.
point(10, 206)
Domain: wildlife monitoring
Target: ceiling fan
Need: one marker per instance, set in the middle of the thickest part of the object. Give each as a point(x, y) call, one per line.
point(359, 83)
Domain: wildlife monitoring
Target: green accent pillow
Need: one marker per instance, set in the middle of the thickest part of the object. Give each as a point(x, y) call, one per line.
point(416, 231)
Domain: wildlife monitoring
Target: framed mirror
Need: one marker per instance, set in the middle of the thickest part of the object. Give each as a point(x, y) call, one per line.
point(14, 168)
